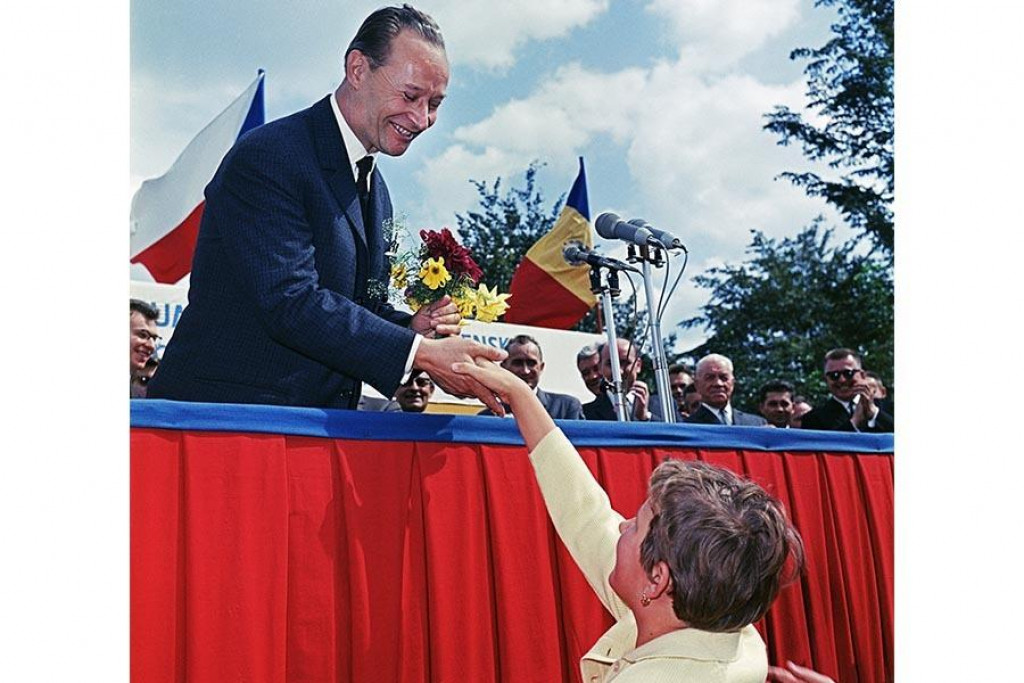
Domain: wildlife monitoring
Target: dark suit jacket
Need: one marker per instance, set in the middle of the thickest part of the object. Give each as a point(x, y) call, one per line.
point(832, 416)
point(281, 309)
point(559, 406)
point(654, 405)
point(601, 408)
point(703, 415)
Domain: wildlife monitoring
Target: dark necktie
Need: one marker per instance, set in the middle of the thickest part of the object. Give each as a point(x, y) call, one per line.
point(365, 167)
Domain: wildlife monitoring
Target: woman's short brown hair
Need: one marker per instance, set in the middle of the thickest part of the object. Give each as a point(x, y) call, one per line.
point(726, 543)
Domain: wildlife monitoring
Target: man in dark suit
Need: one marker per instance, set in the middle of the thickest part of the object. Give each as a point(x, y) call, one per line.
point(679, 378)
point(851, 406)
point(775, 403)
point(635, 392)
point(286, 303)
point(715, 382)
point(880, 393)
point(588, 362)
point(526, 361)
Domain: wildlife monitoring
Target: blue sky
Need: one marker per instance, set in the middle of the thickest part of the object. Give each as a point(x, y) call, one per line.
point(664, 99)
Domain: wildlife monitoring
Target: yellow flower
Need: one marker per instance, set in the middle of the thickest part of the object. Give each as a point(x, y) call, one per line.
point(490, 304)
point(434, 274)
point(400, 275)
point(465, 302)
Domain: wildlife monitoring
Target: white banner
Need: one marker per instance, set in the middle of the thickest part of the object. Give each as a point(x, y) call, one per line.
point(558, 346)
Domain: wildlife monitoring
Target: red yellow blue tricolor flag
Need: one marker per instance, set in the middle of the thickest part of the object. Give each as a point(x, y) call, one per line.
point(547, 291)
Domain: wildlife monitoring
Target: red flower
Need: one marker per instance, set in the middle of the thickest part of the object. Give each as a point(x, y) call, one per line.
point(457, 258)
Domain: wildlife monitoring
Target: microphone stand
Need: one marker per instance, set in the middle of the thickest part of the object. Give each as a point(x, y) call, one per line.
point(607, 292)
point(661, 377)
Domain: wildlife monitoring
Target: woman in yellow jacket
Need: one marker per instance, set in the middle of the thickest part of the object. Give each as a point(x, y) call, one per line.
point(685, 578)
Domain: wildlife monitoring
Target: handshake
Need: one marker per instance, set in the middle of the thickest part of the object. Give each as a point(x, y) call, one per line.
point(438, 352)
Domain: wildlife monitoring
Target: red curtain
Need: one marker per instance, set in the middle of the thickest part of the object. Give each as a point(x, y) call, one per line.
point(266, 557)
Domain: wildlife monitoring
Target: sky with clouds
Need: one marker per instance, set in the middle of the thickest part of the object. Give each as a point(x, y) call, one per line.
point(664, 99)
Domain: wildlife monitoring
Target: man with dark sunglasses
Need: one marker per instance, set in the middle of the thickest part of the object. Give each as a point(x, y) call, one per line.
point(851, 406)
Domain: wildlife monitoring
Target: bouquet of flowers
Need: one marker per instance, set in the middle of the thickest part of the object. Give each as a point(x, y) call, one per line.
point(443, 266)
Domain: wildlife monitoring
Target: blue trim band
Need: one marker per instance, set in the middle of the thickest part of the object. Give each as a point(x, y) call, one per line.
point(373, 426)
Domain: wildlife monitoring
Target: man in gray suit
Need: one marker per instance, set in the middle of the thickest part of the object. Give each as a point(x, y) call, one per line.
point(526, 361)
point(715, 382)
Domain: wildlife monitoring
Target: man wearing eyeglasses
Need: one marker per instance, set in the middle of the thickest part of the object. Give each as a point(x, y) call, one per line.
point(142, 339)
point(851, 406)
point(414, 395)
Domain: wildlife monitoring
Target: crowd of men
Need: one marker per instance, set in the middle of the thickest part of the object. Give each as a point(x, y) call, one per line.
point(858, 399)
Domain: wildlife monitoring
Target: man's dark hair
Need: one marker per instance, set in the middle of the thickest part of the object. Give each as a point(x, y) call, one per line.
point(148, 311)
point(676, 369)
point(378, 30)
point(776, 386)
point(841, 353)
point(521, 339)
point(690, 389)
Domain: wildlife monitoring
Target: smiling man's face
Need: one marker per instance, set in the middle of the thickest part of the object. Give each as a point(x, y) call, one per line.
point(399, 99)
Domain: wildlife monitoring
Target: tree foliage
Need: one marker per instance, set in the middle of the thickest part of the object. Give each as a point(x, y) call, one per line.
point(850, 89)
point(505, 227)
point(777, 314)
point(508, 223)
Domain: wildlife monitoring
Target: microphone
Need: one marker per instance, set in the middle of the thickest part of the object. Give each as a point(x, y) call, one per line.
point(610, 226)
point(667, 239)
point(575, 254)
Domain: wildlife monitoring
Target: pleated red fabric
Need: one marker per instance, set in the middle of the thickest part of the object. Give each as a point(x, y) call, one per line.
point(264, 557)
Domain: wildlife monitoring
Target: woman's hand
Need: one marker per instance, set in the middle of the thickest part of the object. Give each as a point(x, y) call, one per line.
point(496, 378)
point(796, 674)
point(532, 419)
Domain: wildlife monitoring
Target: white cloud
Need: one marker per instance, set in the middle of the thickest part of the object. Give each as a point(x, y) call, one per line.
point(442, 197)
point(714, 34)
point(702, 154)
point(694, 147)
point(571, 107)
point(487, 34)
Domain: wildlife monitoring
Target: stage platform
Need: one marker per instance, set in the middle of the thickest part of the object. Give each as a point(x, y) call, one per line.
point(290, 544)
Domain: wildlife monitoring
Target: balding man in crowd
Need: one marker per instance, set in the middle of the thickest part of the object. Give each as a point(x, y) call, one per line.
point(715, 382)
point(525, 360)
point(851, 406)
point(634, 390)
